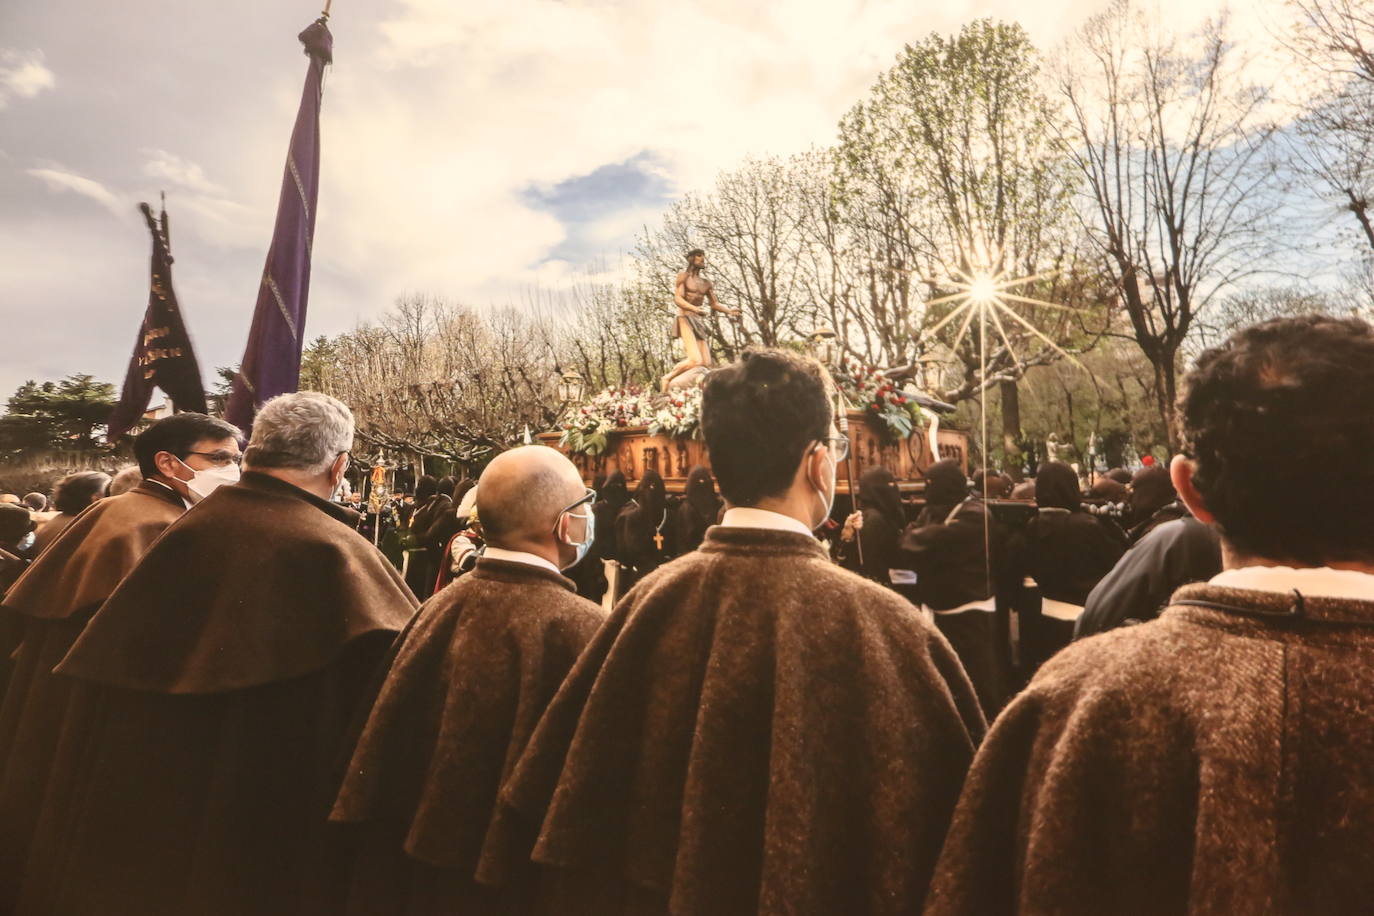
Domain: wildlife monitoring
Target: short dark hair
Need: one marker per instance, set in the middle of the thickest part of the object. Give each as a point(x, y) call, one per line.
point(178, 434)
point(759, 415)
point(1276, 421)
point(693, 253)
point(74, 493)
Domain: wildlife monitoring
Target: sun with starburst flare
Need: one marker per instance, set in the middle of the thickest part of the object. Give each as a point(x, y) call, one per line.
point(989, 296)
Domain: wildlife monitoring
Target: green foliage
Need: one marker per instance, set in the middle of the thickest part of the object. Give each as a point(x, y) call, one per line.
point(68, 415)
point(585, 443)
point(317, 364)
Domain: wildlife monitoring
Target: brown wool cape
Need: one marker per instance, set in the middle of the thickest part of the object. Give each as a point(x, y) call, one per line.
point(47, 608)
point(468, 683)
point(753, 730)
point(211, 694)
point(1208, 762)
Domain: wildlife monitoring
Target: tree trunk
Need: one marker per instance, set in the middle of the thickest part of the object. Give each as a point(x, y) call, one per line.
point(1166, 392)
point(1011, 429)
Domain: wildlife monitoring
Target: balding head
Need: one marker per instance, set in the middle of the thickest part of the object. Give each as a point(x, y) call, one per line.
point(521, 493)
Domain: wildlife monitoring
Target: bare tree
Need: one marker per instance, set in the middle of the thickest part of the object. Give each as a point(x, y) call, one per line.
point(1333, 43)
point(748, 225)
point(612, 333)
point(434, 379)
point(1167, 134)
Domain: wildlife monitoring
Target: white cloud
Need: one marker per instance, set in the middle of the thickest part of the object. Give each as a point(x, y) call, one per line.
point(61, 180)
point(457, 108)
point(23, 75)
point(439, 116)
point(179, 172)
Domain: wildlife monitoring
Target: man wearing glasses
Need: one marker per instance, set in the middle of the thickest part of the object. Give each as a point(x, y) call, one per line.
point(467, 685)
point(51, 603)
point(754, 728)
point(211, 692)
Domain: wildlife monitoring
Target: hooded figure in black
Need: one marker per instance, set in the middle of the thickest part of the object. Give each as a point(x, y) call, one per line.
point(420, 573)
point(641, 530)
point(1067, 551)
point(446, 522)
point(991, 485)
point(1153, 501)
point(589, 575)
point(698, 511)
point(872, 550)
point(957, 552)
point(611, 498)
point(946, 488)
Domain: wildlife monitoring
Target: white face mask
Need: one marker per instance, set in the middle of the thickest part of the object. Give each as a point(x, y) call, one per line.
point(207, 481)
point(827, 500)
point(580, 548)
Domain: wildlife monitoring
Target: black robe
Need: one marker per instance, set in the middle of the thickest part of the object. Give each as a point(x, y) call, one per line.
point(423, 571)
point(1138, 587)
point(211, 694)
point(960, 559)
point(753, 730)
point(1067, 552)
point(643, 530)
point(469, 681)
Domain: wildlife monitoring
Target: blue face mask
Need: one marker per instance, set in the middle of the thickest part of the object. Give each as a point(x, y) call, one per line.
point(586, 544)
point(580, 547)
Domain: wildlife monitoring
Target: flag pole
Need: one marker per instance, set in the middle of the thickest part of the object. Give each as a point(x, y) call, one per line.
point(325, 12)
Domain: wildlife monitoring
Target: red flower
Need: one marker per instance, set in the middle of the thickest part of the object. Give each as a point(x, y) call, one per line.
point(900, 399)
point(875, 407)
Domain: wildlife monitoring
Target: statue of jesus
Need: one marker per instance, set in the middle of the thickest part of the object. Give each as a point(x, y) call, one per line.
point(692, 290)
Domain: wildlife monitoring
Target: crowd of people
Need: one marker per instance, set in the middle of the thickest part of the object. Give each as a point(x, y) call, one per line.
point(217, 696)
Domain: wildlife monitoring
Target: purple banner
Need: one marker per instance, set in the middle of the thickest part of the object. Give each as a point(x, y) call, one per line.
point(272, 360)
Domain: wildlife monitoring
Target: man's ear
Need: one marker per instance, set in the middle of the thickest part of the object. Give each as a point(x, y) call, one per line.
point(1181, 473)
point(167, 464)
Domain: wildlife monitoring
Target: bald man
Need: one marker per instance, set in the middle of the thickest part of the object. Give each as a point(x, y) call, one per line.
point(469, 681)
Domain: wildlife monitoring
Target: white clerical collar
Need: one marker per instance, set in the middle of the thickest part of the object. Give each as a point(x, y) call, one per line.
point(518, 556)
point(748, 517)
point(1318, 582)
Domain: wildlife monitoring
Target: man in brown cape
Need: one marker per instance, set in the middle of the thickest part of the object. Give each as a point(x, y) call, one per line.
point(1215, 760)
point(48, 607)
point(754, 729)
point(469, 681)
point(212, 691)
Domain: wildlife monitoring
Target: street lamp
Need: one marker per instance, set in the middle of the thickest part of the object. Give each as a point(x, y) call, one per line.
point(571, 387)
point(823, 346)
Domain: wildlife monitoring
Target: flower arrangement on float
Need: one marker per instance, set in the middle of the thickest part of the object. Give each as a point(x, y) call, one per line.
point(872, 391)
point(679, 415)
point(587, 431)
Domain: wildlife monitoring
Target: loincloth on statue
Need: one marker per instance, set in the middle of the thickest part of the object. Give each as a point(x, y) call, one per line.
point(696, 322)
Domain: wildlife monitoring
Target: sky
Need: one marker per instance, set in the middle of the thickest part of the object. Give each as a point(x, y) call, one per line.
point(472, 151)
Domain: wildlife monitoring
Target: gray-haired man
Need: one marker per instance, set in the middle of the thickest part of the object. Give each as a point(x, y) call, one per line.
point(218, 682)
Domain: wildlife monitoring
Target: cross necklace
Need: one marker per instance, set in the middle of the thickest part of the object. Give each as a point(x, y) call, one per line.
point(658, 532)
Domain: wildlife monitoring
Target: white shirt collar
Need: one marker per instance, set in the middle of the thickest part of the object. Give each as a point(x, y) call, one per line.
point(169, 489)
point(1318, 582)
point(748, 517)
point(519, 556)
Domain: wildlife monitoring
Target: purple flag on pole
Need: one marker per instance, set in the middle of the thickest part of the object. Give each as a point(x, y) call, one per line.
point(272, 360)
